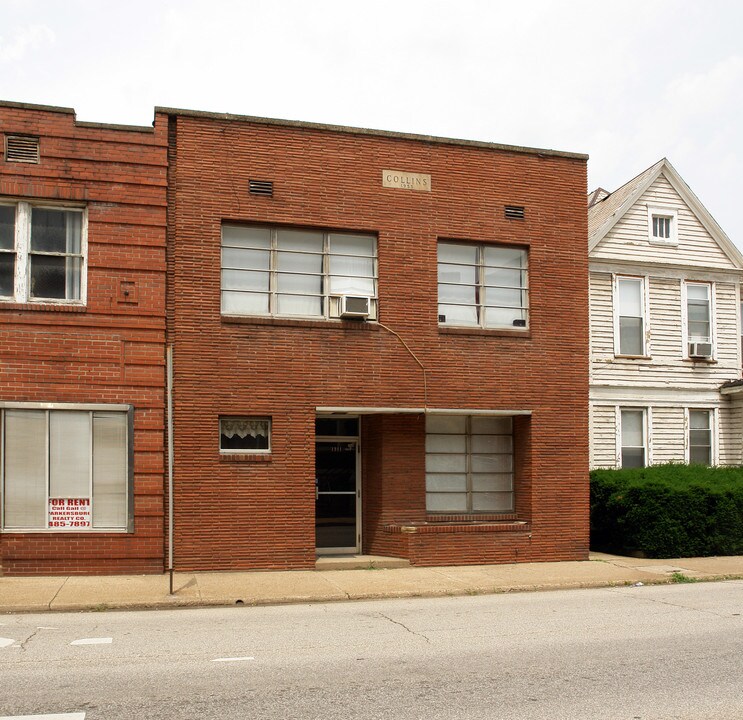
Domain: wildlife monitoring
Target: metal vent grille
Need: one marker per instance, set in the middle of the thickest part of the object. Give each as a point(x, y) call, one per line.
point(22, 149)
point(514, 212)
point(260, 187)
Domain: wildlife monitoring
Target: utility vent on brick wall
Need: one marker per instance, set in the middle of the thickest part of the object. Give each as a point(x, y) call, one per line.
point(260, 187)
point(514, 212)
point(21, 149)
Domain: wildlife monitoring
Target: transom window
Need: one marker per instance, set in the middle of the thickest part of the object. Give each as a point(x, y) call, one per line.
point(65, 469)
point(700, 437)
point(245, 434)
point(482, 286)
point(469, 464)
point(42, 253)
point(629, 304)
point(633, 433)
point(295, 273)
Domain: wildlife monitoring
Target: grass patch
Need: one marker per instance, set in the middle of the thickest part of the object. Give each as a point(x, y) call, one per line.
point(679, 577)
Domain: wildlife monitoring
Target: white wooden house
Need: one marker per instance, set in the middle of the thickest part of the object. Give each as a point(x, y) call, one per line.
point(665, 327)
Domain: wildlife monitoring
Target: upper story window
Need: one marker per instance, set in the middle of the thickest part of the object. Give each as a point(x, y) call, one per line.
point(42, 253)
point(663, 226)
point(297, 273)
point(483, 286)
point(699, 328)
point(629, 316)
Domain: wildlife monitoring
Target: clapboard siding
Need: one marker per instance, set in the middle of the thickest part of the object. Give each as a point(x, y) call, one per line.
point(666, 365)
point(628, 239)
point(665, 383)
point(603, 436)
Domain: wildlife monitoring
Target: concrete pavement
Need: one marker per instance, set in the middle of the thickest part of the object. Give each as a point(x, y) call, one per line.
point(380, 578)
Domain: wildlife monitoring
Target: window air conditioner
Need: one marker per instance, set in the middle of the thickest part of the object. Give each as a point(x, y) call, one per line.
point(700, 350)
point(354, 306)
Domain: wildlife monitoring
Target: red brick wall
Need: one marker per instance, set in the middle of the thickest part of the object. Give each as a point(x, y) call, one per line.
point(255, 513)
point(111, 351)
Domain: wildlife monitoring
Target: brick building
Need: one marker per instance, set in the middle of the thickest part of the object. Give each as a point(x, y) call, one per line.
point(82, 343)
point(381, 346)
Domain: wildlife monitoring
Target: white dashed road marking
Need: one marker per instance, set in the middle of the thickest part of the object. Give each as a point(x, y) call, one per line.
point(5, 642)
point(234, 659)
point(91, 641)
point(56, 716)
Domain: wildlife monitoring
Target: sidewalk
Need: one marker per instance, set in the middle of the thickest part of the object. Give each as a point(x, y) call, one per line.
point(76, 593)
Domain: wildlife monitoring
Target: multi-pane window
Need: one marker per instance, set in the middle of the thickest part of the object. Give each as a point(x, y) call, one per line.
point(662, 226)
point(42, 254)
point(295, 273)
point(482, 286)
point(469, 464)
point(244, 434)
point(699, 318)
point(700, 437)
point(65, 469)
point(633, 433)
point(630, 315)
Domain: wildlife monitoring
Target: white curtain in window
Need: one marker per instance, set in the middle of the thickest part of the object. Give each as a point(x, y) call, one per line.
point(242, 428)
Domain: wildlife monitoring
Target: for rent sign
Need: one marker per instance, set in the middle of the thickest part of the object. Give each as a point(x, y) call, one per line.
point(69, 513)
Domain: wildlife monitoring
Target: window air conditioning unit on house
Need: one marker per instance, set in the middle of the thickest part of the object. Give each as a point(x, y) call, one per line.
point(700, 350)
point(354, 306)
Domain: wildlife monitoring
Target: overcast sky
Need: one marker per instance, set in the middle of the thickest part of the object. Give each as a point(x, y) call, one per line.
point(626, 82)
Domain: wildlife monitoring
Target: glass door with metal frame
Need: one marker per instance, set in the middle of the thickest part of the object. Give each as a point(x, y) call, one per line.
point(337, 496)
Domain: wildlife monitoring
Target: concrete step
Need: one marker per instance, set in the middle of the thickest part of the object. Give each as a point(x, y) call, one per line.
point(359, 562)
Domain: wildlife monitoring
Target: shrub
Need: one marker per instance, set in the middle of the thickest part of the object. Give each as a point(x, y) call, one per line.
point(668, 511)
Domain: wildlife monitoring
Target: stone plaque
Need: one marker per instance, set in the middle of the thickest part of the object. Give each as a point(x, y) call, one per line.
point(406, 180)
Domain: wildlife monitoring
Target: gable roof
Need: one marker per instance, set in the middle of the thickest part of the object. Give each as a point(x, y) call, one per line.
point(604, 213)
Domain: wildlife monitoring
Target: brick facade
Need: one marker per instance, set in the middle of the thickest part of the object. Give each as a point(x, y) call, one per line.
point(258, 511)
point(109, 351)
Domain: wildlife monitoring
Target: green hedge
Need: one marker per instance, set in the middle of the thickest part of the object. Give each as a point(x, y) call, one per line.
point(668, 511)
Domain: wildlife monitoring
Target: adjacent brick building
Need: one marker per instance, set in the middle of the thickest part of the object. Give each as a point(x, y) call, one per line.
point(381, 346)
point(82, 333)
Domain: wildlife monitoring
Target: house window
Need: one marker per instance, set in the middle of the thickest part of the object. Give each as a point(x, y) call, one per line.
point(699, 319)
point(633, 433)
point(42, 253)
point(245, 435)
point(295, 273)
point(469, 464)
point(482, 286)
point(662, 226)
point(65, 469)
point(629, 304)
point(700, 437)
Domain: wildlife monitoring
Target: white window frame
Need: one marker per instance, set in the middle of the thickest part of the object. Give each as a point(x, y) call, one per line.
point(685, 338)
point(23, 252)
point(713, 432)
point(645, 307)
point(480, 287)
point(663, 212)
point(128, 527)
point(245, 418)
point(647, 425)
point(331, 304)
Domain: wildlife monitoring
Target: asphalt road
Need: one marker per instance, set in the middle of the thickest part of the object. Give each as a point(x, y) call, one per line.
point(632, 653)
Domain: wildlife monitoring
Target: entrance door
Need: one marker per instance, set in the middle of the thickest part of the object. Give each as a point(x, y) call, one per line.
point(337, 497)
